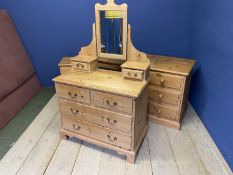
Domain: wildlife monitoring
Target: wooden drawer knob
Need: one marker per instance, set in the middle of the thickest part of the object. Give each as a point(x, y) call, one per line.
point(158, 110)
point(162, 81)
point(160, 96)
point(111, 139)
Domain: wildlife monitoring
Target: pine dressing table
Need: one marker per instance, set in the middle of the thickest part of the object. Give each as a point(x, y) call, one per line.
point(105, 107)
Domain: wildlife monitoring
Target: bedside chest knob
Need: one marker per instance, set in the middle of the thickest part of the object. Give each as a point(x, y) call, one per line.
point(162, 81)
point(159, 111)
point(160, 96)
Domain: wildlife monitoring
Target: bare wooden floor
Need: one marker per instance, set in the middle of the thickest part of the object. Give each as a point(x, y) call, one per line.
point(164, 151)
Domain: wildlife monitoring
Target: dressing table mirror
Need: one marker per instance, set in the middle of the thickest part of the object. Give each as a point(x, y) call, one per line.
point(101, 106)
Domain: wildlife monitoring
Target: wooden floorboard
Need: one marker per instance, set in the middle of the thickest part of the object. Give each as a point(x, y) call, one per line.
point(143, 162)
point(204, 145)
point(164, 151)
point(15, 157)
point(89, 156)
point(64, 158)
point(161, 153)
point(39, 158)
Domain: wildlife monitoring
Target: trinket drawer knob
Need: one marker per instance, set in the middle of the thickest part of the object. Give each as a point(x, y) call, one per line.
point(76, 127)
point(111, 139)
point(80, 65)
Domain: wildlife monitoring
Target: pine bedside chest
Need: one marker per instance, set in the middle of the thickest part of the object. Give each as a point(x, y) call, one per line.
point(168, 89)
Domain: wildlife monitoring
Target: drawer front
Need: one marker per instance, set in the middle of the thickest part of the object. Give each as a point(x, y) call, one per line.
point(73, 93)
point(80, 66)
point(96, 116)
point(112, 102)
point(165, 96)
point(162, 111)
point(167, 80)
point(133, 74)
point(99, 133)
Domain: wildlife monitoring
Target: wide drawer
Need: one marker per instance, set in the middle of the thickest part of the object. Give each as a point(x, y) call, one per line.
point(112, 102)
point(96, 116)
point(167, 80)
point(165, 96)
point(132, 74)
point(99, 133)
point(162, 110)
point(73, 93)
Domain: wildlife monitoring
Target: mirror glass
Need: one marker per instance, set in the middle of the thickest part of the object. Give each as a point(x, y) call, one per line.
point(111, 28)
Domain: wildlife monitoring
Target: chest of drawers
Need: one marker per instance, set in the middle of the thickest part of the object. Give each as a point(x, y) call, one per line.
point(168, 89)
point(111, 114)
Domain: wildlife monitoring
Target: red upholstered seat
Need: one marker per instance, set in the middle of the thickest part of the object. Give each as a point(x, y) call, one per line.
point(18, 82)
point(15, 66)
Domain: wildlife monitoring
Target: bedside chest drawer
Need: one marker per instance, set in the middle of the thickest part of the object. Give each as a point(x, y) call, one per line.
point(167, 80)
point(162, 111)
point(99, 133)
point(132, 74)
point(112, 102)
point(96, 116)
point(166, 96)
point(80, 66)
point(73, 93)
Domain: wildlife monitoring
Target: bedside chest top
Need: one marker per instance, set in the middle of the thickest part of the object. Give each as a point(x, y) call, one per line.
point(172, 65)
point(103, 80)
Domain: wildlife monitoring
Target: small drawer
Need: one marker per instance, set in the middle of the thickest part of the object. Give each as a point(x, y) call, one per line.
point(80, 66)
point(112, 102)
point(167, 80)
point(165, 96)
point(163, 111)
point(132, 74)
point(73, 93)
point(96, 116)
point(99, 133)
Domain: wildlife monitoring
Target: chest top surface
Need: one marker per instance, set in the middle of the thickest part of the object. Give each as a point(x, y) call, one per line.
point(171, 64)
point(103, 80)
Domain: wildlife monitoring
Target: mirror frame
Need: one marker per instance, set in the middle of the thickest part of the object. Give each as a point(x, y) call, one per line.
point(113, 7)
